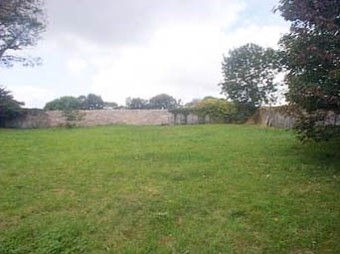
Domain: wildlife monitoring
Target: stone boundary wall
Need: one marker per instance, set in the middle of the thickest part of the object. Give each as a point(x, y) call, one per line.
point(278, 117)
point(32, 118)
point(46, 119)
point(107, 117)
point(271, 117)
point(274, 117)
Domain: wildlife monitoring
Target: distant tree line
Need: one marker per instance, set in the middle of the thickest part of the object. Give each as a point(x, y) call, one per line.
point(160, 101)
point(89, 102)
point(95, 102)
point(219, 110)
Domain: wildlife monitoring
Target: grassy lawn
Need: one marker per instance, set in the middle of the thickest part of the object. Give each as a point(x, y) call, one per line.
point(167, 189)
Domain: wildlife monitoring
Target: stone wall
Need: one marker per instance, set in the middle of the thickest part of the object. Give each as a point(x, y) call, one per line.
point(272, 117)
point(283, 117)
point(276, 117)
point(32, 118)
point(42, 119)
point(129, 117)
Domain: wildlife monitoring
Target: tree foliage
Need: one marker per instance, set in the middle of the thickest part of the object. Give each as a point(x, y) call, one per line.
point(160, 101)
point(163, 101)
point(63, 103)
point(89, 102)
point(137, 103)
point(9, 107)
point(248, 76)
point(219, 110)
point(311, 55)
point(21, 24)
point(111, 105)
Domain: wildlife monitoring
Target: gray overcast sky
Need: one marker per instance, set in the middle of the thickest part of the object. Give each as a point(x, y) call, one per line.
point(140, 48)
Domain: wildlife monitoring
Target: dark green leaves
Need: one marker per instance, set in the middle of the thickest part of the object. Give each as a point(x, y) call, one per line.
point(311, 54)
point(89, 102)
point(249, 72)
point(9, 107)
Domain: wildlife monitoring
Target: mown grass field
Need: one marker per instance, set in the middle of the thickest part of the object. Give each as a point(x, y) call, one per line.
point(167, 189)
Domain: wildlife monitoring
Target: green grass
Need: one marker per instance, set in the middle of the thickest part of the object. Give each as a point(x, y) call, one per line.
point(167, 189)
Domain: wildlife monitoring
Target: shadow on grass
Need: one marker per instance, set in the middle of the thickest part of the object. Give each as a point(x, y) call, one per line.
point(322, 156)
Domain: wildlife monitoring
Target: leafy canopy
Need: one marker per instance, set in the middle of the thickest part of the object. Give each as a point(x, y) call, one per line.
point(89, 102)
point(163, 101)
point(311, 55)
point(21, 24)
point(92, 101)
point(248, 75)
point(160, 101)
point(219, 110)
point(137, 103)
point(9, 107)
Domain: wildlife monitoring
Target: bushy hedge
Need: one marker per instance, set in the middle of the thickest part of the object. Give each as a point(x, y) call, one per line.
point(218, 110)
point(9, 107)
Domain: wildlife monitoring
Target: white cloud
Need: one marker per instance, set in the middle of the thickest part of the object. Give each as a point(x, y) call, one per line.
point(34, 97)
point(76, 65)
point(178, 59)
point(182, 57)
point(266, 36)
point(184, 61)
point(140, 48)
point(131, 22)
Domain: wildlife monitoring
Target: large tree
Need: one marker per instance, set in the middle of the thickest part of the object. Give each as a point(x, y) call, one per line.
point(163, 101)
point(248, 76)
point(63, 103)
point(92, 102)
point(21, 24)
point(137, 103)
point(312, 57)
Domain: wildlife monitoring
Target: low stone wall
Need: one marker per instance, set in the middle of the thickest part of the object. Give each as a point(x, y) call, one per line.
point(276, 117)
point(32, 118)
point(190, 119)
point(283, 117)
point(42, 119)
point(129, 117)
